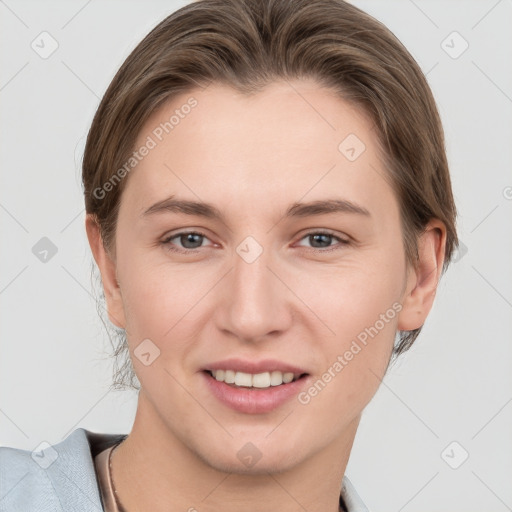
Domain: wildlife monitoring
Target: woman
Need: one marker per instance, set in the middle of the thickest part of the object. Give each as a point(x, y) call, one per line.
point(269, 204)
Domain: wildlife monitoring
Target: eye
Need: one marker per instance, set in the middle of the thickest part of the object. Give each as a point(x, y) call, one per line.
point(189, 241)
point(323, 240)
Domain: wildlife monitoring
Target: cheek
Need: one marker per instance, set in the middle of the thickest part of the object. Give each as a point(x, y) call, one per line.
point(364, 319)
point(352, 297)
point(162, 302)
point(360, 303)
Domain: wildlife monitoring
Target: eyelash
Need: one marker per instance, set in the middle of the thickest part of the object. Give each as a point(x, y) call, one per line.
point(342, 242)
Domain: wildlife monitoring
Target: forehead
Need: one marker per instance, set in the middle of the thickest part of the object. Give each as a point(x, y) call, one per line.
point(290, 140)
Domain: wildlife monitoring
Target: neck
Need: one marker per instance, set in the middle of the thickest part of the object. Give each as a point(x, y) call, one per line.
point(153, 470)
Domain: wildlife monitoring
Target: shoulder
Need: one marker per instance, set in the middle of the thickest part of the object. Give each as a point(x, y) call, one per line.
point(59, 477)
point(351, 500)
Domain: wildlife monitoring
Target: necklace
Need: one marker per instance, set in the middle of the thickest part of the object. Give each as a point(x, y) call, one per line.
point(116, 498)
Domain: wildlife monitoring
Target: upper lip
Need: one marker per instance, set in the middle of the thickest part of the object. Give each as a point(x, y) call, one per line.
point(255, 367)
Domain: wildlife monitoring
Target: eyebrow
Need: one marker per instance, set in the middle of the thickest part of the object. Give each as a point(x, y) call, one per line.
point(322, 207)
point(207, 210)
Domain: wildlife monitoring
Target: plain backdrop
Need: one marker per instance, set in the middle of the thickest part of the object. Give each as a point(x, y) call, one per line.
point(449, 398)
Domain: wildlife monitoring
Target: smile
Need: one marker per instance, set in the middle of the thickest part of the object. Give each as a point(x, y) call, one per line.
point(254, 393)
point(254, 380)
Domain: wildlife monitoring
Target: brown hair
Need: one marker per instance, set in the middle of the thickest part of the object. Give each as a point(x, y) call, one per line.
point(248, 44)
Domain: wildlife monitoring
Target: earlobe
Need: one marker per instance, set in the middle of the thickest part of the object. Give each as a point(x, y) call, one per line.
point(422, 280)
point(107, 269)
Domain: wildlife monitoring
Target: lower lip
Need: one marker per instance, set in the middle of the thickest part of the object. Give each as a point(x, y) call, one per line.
point(254, 400)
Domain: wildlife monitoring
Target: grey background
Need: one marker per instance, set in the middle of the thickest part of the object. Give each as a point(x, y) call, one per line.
point(454, 385)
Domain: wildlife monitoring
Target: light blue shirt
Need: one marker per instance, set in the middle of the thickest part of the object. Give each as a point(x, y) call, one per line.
point(62, 478)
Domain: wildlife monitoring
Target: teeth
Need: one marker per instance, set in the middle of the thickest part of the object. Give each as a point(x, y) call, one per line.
point(243, 379)
point(229, 376)
point(258, 380)
point(287, 377)
point(276, 378)
point(261, 380)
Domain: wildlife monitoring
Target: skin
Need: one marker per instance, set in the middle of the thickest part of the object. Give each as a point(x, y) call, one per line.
point(253, 157)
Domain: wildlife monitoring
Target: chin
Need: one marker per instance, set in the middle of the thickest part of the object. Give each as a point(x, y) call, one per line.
point(266, 465)
point(248, 458)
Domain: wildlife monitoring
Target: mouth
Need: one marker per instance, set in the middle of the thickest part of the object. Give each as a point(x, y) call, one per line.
point(262, 380)
point(254, 388)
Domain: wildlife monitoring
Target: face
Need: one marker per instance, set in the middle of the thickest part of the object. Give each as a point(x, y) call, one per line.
point(295, 266)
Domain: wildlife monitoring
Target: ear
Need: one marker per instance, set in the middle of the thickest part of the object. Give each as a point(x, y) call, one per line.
point(107, 268)
point(422, 279)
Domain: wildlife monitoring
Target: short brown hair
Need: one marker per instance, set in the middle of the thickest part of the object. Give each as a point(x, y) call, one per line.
point(248, 44)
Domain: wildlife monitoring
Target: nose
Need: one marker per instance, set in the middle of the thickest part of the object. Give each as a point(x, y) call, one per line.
point(255, 304)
